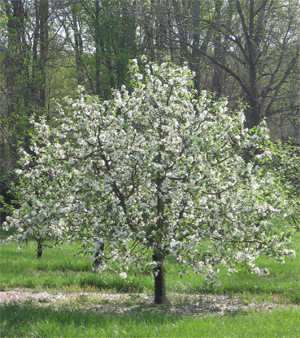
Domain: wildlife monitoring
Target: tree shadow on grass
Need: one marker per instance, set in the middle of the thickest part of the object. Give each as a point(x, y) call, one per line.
point(113, 315)
point(27, 320)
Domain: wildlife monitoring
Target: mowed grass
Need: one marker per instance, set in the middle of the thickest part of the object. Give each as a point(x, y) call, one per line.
point(64, 270)
point(28, 321)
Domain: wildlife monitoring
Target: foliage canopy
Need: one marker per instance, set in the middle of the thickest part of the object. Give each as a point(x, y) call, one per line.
point(157, 170)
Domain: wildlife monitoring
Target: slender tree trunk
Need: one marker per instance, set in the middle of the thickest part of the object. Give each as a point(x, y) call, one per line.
point(218, 55)
point(98, 47)
point(98, 258)
point(149, 34)
point(44, 13)
point(39, 249)
point(159, 277)
point(78, 46)
point(253, 113)
point(170, 37)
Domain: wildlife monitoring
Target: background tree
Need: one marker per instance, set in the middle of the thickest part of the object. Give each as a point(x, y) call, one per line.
point(30, 49)
point(237, 46)
point(103, 36)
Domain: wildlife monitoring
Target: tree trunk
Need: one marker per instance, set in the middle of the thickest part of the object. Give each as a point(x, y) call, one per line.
point(39, 250)
point(218, 55)
point(98, 46)
point(159, 277)
point(98, 258)
point(44, 44)
point(78, 45)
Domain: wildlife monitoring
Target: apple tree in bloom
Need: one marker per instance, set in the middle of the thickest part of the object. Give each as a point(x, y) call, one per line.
point(40, 193)
point(154, 172)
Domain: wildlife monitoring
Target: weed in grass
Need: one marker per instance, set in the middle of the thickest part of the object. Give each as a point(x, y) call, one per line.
point(44, 300)
point(182, 301)
point(77, 288)
point(29, 301)
point(294, 295)
point(80, 301)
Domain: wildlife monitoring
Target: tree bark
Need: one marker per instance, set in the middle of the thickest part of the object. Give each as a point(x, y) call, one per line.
point(217, 85)
point(44, 44)
point(78, 45)
point(98, 258)
point(98, 45)
point(39, 250)
point(160, 296)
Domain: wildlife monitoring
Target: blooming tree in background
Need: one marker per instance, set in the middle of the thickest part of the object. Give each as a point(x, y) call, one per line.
point(156, 171)
point(41, 195)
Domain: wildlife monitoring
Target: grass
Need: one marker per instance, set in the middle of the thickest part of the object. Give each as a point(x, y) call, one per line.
point(58, 269)
point(63, 270)
point(19, 321)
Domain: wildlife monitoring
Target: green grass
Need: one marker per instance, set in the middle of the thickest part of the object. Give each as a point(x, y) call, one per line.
point(19, 321)
point(58, 269)
point(63, 270)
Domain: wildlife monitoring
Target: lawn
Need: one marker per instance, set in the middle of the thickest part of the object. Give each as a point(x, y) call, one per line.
point(254, 306)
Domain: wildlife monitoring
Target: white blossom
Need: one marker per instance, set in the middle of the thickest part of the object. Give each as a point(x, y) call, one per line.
point(123, 275)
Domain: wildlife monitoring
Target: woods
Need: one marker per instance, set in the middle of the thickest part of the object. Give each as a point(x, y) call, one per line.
point(237, 48)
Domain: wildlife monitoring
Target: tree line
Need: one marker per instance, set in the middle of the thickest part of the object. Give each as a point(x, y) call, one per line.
point(245, 50)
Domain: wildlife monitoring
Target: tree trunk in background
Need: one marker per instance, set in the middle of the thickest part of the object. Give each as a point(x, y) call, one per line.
point(98, 258)
point(217, 84)
point(43, 17)
point(39, 249)
point(97, 38)
point(159, 276)
point(149, 35)
point(78, 45)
